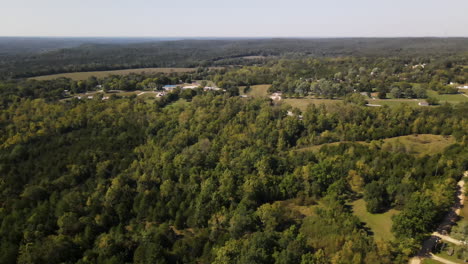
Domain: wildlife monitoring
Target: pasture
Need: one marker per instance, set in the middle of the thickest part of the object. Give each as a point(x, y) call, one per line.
point(80, 76)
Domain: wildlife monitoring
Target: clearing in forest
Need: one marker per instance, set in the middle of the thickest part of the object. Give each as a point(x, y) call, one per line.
point(380, 224)
point(419, 144)
point(260, 90)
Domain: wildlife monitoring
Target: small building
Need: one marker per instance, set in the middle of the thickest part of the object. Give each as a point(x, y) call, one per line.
point(209, 88)
point(105, 98)
point(423, 103)
point(169, 87)
point(276, 96)
point(90, 97)
point(244, 96)
point(160, 94)
point(463, 87)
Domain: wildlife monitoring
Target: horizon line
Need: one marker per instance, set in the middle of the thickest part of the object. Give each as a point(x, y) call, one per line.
point(227, 37)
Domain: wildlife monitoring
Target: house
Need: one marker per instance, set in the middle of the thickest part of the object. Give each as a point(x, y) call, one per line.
point(243, 96)
point(90, 97)
point(160, 94)
point(423, 65)
point(169, 87)
point(276, 96)
point(463, 87)
point(423, 103)
point(105, 98)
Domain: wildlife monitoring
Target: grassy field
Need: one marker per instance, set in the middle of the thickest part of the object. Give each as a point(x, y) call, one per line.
point(260, 90)
point(449, 98)
point(431, 261)
point(420, 145)
point(78, 76)
point(304, 210)
point(453, 258)
point(380, 224)
point(303, 103)
point(394, 102)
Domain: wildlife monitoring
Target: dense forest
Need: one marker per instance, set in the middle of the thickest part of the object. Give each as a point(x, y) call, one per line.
point(208, 176)
point(20, 60)
point(124, 180)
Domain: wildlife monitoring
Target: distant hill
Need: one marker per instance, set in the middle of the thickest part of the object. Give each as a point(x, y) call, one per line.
point(36, 56)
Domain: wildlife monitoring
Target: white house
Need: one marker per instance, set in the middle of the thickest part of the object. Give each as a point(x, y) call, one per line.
point(423, 103)
point(160, 94)
point(209, 88)
point(276, 96)
point(463, 87)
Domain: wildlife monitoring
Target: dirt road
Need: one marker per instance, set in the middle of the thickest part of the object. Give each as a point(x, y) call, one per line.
point(445, 226)
point(434, 257)
point(448, 239)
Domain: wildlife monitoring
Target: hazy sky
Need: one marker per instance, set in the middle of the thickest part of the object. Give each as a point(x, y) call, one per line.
point(286, 18)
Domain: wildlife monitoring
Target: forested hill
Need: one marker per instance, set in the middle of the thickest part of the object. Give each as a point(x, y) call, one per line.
point(216, 180)
point(95, 55)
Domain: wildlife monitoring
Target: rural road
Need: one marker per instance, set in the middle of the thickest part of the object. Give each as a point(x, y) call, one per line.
point(448, 239)
point(449, 220)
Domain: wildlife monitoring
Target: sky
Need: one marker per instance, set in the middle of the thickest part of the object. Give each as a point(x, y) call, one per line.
point(234, 18)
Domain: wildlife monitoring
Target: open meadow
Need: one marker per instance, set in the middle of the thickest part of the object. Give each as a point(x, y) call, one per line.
point(79, 76)
point(380, 224)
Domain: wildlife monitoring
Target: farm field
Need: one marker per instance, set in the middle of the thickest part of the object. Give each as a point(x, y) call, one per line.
point(419, 145)
point(380, 224)
point(79, 76)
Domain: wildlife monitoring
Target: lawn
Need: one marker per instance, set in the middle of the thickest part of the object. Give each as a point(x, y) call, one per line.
point(449, 98)
point(77, 76)
point(453, 258)
point(419, 145)
point(394, 102)
point(380, 224)
point(303, 103)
